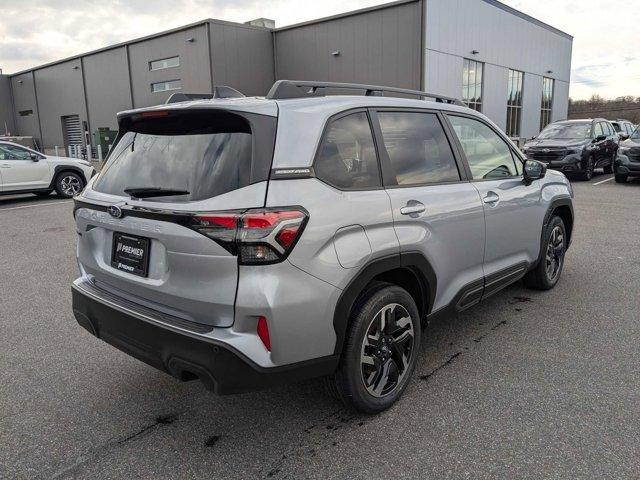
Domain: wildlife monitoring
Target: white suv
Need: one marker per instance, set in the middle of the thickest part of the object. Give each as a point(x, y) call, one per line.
point(23, 170)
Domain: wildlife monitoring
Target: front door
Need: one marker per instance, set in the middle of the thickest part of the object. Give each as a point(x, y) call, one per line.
point(20, 171)
point(513, 210)
point(436, 211)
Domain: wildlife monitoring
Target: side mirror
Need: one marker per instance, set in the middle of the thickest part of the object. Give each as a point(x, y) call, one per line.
point(533, 170)
point(623, 136)
point(599, 138)
point(35, 157)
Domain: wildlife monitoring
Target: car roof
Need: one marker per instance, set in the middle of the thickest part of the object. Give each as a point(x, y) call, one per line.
point(583, 120)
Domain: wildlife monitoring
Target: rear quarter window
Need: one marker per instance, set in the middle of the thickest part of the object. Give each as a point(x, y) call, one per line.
point(206, 153)
point(347, 157)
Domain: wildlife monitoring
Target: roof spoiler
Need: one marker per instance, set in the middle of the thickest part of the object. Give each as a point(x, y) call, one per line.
point(284, 89)
point(219, 91)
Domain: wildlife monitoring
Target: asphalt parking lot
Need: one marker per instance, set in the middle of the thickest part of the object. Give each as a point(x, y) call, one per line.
point(527, 385)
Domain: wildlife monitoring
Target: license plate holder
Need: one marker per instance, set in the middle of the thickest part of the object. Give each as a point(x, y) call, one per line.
point(130, 254)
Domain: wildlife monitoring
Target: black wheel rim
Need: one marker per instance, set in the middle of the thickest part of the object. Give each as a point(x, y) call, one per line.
point(555, 254)
point(387, 350)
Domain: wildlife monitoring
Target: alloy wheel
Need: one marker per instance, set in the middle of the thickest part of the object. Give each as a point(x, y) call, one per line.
point(386, 350)
point(555, 253)
point(70, 185)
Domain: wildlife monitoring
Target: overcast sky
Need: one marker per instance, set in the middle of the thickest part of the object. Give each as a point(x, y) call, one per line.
point(32, 32)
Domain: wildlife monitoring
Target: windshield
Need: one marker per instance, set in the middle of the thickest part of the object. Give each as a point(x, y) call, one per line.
point(566, 131)
point(636, 134)
point(191, 157)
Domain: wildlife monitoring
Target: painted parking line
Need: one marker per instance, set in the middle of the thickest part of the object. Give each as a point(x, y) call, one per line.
point(36, 205)
point(603, 181)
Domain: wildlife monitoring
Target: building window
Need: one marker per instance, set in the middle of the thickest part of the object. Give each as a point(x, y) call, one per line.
point(547, 102)
point(164, 63)
point(165, 86)
point(514, 103)
point(472, 84)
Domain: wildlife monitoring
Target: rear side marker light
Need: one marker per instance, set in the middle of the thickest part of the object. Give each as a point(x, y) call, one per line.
point(263, 332)
point(258, 236)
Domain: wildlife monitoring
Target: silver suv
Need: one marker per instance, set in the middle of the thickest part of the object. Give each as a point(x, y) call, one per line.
point(250, 241)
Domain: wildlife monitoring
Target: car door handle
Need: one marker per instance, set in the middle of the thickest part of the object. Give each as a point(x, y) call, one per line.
point(413, 208)
point(491, 198)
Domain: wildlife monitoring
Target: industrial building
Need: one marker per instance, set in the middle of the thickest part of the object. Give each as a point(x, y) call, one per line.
point(512, 67)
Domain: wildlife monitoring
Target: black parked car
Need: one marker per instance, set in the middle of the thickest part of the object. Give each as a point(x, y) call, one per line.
point(628, 162)
point(576, 147)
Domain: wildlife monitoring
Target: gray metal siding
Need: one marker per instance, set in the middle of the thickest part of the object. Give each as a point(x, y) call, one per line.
point(376, 47)
point(454, 28)
point(60, 93)
point(242, 58)
point(107, 83)
point(193, 72)
point(24, 98)
point(6, 106)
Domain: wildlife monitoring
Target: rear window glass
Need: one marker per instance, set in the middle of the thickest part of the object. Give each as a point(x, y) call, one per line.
point(203, 153)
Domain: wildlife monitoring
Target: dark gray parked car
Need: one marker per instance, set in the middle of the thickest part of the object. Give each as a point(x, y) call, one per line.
point(576, 147)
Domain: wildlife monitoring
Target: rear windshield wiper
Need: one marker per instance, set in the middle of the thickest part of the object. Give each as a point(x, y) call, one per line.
point(147, 192)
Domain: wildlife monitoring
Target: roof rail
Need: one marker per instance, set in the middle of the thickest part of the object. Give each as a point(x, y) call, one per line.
point(284, 89)
point(219, 91)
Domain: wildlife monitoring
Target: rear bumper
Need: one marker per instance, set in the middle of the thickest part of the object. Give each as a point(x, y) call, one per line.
point(181, 353)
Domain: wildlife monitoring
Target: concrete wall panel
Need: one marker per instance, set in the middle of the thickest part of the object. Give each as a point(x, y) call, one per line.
point(60, 93)
point(108, 91)
point(242, 58)
point(6, 106)
point(24, 100)
point(194, 70)
point(375, 47)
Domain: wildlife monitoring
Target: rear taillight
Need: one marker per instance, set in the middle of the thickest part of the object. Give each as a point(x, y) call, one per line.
point(257, 236)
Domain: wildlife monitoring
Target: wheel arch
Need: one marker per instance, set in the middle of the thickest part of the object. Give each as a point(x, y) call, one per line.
point(563, 208)
point(60, 169)
point(410, 270)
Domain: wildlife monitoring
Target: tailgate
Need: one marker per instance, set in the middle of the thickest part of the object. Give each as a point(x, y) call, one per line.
point(139, 245)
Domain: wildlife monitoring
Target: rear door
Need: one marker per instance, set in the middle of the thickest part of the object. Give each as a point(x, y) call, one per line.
point(436, 211)
point(146, 249)
point(513, 210)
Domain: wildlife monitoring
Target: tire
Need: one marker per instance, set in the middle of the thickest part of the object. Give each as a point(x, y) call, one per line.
point(588, 170)
point(546, 273)
point(609, 168)
point(621, 178)
point(381, 349)
point(68, 184)
point(45, 193)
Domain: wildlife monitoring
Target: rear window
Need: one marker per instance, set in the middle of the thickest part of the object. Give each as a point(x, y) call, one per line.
point(205, 153)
